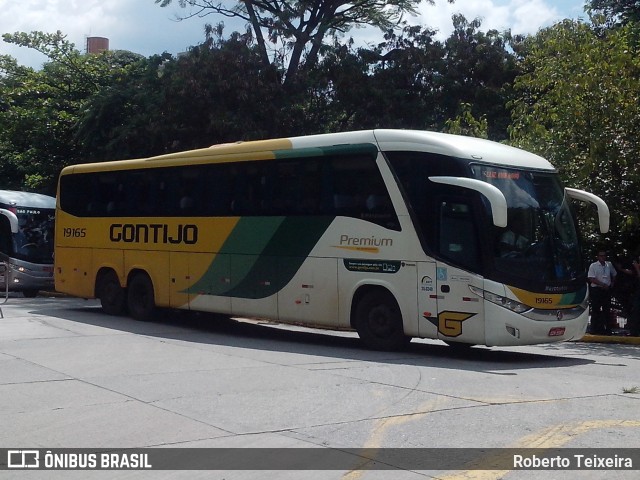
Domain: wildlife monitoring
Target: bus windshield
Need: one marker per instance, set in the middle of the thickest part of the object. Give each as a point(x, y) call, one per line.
point(540, 241)
point(34, 240)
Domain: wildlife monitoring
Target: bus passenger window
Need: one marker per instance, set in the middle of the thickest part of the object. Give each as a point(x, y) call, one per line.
point(217, 197)
point(360, 192)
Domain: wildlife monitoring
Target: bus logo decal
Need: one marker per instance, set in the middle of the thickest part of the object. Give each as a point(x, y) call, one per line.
point(153, 233)
point(363, 244)
point(449, 323)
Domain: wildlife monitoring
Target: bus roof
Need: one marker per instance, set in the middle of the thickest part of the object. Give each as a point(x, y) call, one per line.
point(385, 140)
point(466, 147)
point(26, 199)
point(434, 142)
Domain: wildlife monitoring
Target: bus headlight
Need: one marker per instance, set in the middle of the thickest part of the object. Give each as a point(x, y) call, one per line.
point(505, 302)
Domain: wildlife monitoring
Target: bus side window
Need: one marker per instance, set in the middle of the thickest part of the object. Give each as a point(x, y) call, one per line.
point(241, 196)
point(349, 178)
point(217, 191)
point(106, 195)
point(188, 190)
point(77, 194)
point(311, 188)
point(360, 192)
point(249, 197)
point(294, 187)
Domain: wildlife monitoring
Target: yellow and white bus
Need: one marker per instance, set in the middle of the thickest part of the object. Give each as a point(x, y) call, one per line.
point(396, 234)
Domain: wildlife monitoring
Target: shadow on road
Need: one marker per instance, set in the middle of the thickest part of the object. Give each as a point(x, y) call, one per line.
point(212, 329)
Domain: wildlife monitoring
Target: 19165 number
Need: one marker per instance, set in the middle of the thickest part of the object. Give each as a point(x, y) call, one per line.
point(74, 232)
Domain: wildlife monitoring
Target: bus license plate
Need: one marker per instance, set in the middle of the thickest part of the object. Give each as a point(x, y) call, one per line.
point(556, 331)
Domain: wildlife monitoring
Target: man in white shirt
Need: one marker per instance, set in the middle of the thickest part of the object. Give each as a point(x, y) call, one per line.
point(602, 275)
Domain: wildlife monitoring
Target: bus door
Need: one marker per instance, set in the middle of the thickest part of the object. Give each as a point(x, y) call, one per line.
point(460, 313)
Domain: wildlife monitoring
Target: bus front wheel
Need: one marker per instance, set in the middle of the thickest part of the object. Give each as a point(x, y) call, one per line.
point(111, 294)
point(378, 321)
point(140, 297)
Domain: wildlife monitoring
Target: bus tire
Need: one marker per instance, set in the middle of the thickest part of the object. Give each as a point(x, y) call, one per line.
point(378, 321)
point(140, 297)
point(30, 293)
point(111, 294)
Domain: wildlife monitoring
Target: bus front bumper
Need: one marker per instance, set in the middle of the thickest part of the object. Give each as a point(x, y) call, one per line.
point(516, 329)
point(21, 279)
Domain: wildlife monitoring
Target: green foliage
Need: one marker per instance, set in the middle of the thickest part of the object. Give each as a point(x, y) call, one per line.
point(466, 124)
point(82, 108)
point(578, 104)
point(396, 83)
point(615, 12)
point(221, 91)
point(411, 80)
point(479, 70)
point(301, 27)
point(39, 110)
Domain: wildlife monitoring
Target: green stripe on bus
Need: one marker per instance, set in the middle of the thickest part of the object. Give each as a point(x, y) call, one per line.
point(574, 298)
point(261, 256)
point(356, 149)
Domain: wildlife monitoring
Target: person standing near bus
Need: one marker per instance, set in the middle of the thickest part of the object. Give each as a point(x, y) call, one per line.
point(601, 275)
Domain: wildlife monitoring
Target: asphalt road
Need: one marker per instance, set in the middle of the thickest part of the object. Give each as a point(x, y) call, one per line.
point(72, 377)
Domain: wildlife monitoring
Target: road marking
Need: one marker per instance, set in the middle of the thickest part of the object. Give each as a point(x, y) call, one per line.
point(380, 429)
point(555, 436)
point(552, 437)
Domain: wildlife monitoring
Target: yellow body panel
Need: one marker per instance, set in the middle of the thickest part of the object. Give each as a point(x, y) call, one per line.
point(85, 245)
point(74, 272)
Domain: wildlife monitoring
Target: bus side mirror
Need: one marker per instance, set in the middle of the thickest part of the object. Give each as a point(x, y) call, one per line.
point(13, 220)
point(603, 209)
point(495, 197)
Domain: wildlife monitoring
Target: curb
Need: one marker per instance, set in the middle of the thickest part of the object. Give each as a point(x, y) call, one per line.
point(619, 339)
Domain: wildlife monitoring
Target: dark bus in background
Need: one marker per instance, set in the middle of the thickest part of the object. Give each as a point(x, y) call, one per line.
point(26, 241)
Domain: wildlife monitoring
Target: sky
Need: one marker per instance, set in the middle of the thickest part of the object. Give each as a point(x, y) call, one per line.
point(143, 27)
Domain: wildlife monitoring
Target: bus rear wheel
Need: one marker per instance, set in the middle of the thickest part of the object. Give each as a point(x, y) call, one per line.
point(378, 321)
point(111, 294)
point(140, 297)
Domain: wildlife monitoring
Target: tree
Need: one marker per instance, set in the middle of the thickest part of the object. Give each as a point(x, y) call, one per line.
point(215, 93)
point(616, 12)
point(301, 26)
point(125, 118)
point(578, 104)
point(466, 124)
point(39, 110)
point(415, 81)
point(400, 82)
point(478, 71)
